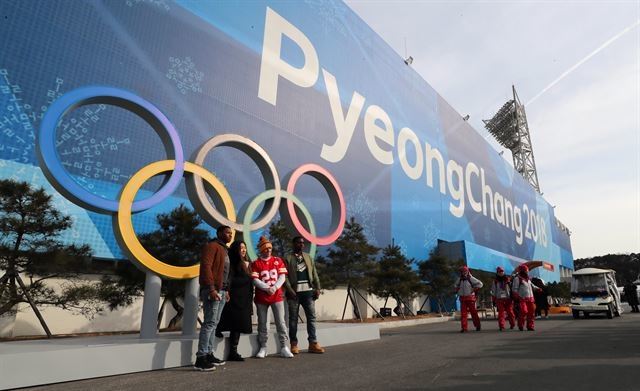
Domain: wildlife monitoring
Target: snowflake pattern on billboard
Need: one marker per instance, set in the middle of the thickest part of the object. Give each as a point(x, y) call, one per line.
point(79, 149)
point(364, 210)
point(334, 15)
point(158, 3)
point(487, 234)
point(403, 248)
point(18, 118)
point(416, 203)
point(431, 235)
point(184, 74)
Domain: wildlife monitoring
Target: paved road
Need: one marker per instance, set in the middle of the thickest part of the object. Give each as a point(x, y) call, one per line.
point(562, 354)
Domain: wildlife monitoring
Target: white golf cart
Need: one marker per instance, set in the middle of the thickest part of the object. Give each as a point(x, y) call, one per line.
point(594, 290)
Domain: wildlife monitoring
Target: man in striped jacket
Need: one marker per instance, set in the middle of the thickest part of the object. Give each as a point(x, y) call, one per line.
point(466, 289)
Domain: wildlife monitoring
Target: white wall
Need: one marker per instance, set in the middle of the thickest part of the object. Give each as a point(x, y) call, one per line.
point(329, 307)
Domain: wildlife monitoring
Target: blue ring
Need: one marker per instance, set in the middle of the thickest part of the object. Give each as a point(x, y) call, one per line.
point(58, 175)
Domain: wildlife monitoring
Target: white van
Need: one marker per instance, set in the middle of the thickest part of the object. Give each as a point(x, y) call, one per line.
point(594, 290)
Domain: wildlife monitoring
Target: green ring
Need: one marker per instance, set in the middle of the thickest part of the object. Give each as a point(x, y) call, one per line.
point(251, 209)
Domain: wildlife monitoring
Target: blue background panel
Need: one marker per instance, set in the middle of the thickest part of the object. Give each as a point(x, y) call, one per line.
point(200, 64)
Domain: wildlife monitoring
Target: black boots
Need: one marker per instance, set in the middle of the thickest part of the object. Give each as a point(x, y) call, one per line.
point(234, 355)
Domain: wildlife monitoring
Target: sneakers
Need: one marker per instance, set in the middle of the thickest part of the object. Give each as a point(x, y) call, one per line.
point(214, 361)
point(315, 347)
point(478, 328)
point(294, 348)
point(202, 364)
point(286, 353)
point(262, 353)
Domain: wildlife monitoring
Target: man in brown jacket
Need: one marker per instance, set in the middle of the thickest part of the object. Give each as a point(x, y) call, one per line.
point(214, 276)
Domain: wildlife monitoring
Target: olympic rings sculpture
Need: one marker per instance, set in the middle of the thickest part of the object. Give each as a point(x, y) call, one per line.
point(196, 177)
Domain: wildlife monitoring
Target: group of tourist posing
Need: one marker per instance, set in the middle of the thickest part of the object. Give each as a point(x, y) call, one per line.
point(505, 294)
point(230, 281)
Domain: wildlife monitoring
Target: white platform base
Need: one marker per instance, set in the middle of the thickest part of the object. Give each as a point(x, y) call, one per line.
point(29, 363)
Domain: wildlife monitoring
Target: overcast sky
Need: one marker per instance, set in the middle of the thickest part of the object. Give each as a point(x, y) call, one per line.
point(575, 65)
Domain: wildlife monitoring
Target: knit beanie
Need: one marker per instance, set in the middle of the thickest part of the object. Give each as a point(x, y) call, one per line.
point(264, 243)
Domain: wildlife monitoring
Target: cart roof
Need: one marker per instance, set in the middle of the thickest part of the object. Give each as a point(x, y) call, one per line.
point(592, 270)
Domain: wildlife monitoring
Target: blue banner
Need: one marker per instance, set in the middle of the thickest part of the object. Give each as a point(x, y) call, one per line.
point(308, 81)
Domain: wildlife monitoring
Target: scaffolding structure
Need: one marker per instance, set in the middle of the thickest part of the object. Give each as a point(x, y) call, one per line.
point(510, 128)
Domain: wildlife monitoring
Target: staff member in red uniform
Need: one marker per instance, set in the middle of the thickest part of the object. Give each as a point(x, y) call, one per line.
point(268, 274)
point(466, 289)
point(501, 295)
point(522, 291)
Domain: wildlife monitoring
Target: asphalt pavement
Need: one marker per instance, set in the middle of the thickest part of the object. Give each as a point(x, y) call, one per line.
point(561, 354)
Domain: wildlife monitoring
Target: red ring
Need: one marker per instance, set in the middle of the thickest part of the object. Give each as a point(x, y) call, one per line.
point(314, 168)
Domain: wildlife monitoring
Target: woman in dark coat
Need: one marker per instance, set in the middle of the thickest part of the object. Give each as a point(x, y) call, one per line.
point(631, 293)
point(236, 315)
point(542, 298)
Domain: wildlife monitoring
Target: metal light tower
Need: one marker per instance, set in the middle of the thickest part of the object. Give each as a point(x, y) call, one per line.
point(510, 128)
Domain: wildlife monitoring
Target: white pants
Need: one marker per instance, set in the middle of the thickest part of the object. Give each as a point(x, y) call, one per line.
point(278, 317)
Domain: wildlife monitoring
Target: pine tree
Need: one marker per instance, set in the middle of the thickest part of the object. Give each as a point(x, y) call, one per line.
point(350, 262)
point(394, 276)
point(352, 258)
point(177, 242)
point(29, 247)
point(324, 272)
point(438, 275)
point(560, 291)
point(280, 238)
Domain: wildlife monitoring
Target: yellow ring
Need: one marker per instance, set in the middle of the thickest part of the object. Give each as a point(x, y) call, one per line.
point(125, 225)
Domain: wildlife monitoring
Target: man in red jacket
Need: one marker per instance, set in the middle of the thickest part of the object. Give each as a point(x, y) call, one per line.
point(214, 276)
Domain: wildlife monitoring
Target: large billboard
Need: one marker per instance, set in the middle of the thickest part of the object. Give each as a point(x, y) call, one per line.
point(307, 81)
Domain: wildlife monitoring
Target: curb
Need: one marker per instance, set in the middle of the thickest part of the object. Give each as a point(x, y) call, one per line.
point(413, 322)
